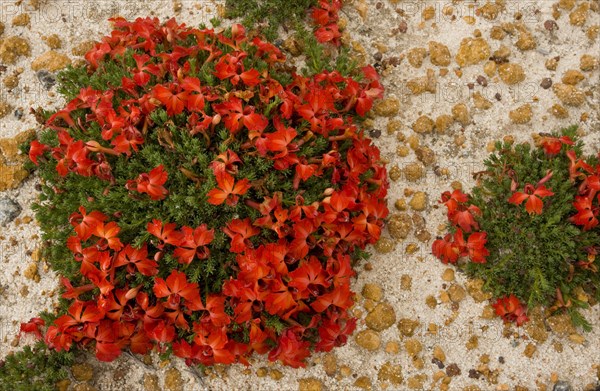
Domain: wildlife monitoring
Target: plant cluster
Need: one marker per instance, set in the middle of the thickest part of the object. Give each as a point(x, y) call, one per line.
point(200, 200)
point(530, 227)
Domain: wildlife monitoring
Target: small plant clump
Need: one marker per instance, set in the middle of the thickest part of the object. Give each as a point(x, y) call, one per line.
point(198, 199)
point(530, 227)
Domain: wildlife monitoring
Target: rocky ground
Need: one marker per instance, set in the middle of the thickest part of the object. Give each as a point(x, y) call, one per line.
point(458, 76)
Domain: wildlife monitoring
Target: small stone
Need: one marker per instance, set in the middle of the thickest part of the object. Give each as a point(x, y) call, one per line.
point(588, 63)
point(382, 317)
point(568, 94)
point(5, 109)
point(469, 19)
point(431, 301)
point(561, 324)
point(390, 373)
point(423, 124)
point(384, 245)
point(405, 282)
point(526, 41)
point(374, 133)
point(453, 370)
point(490, 68)
point(536, 327)
point(415, 56)
point(511, 73)
point(372, 292)
point(400, 204)
point(521, 115)
point(488, 312)
point(428, 13)
point(497, 33)
point(368, 339)
point(546, 83)
point(443, 122)
point(407, 326)
point(173, 380)
point(529, 350)
point(262, 372)
point(399, 225)
point(310, 384)
point(572, 77)
point(448, 275)
point(46, 78)
point(460, 113)
point(425, 155)
point(51, 61)
point(21, 20)
point(457, 293)
point(472, 51)
point(579, 15)
point(413, 171)
point(275, 374)
point(82, 48)
point(439, 354)
point(562, 386)
point(413, 346)
point(329, 364)
point(53, 41)
point(31, 272)
point(393, 126)
point(82, 372)
point(387, 107)
point(392, 347)
point(559, 111)
point(482, 81)
point(592, 32)
point(550, 25)
point(416, 382)
point(577, 338)
point(364, 382)
point(151, 382)
point(552, 63)
point(439, 54)
point(419, 201)
point(64, 384)
point(481, 102)
point(395, 173)
point(501, 55)
point(566, 4)
point(423, 84)
point(12, 48)
point(11, 81)
point(489, 10)
point(9, 210)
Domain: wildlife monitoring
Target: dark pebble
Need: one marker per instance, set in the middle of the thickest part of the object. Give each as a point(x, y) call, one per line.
point(550, 25)
point(562, 386)
point(374, 133)
point(501, 360)
point(546, 83)
point(498, 96)
point(471, 85)
point(482, 81)
point(9, 210)
point(437, 362)
point(452, 370)
point(403, 27)
point(19, 113)
point(378, 56)
point(474, 374)
point(2, 69)
point(46, 78)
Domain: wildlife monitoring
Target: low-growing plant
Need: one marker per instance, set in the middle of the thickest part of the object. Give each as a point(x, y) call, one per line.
point(201, 200)
point(530, 227)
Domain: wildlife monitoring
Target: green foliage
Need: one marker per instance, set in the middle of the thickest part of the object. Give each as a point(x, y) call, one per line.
point(34, 368)
point(532, 255)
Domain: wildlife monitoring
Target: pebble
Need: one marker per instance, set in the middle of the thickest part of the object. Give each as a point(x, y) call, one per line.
point(453, 370)
point(425, 155)
point(439, 54)
point(490, 68)
point(382, 317)
point(395, 173)
point(561, 324)
point(511, 73)
point(438, 353)
point(559, 111)
point(329, 364)
point(481, 102)
point(9, 210)
point(521, 115)
point(51, 61)
point(572, 77)
point(423, 124)
point(550, 25)
point(21, 20)
point(151, 382)
point(457, 293)
point(579, 15)
point(368, 339)
point(173, 380)
point(310, 384)
point(384, 245)
point(374, 133)
point(390, 373)
point(489, 11)
point(552, 63)
point(431, 301)
point(588, 63)
point(482, 81)
point(568, 94)
point(443, 122)
point(364, 382)
point(416, 382)
point(546, 83)
point(373, 292)
point(11, 48)
point(399, 225)
point(82, 372)
point(413, 346)
point(530, 350)
point(416, 56)
point(472, 51)
point(526, 41)
point(562, 386)
point(46, 78)
point(413, 171)
point(460, 113)
point(419, 201)
point(408, 326)
point(31, 272)
point(387, 107)
point(423, 84)
point(536, 327)
point(448, 275)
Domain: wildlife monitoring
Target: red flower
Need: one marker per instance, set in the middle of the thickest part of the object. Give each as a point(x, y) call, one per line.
point(36, 150)
point(290, 350)
point(446, 250)
point(167, 233)
point(533, 196)
point(174, 102)
point(85, 224)
point(193, 244)
point(175, 287)
point(552, 145)
point(228, 191)
point(151, 183)
point(137, 259)
point(240, 231)
point(476, 246)
point(511, 309)
point(33, 326)
point(587, 214)
point(309, 278)
point(108, 234)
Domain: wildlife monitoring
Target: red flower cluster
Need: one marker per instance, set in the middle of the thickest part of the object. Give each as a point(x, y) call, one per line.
point(462, 216)
point(587, 201)
point(511, 309)
point(301, 278)
point(326, 16)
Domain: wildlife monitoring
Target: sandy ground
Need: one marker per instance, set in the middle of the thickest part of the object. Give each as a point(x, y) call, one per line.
point(485, 354)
